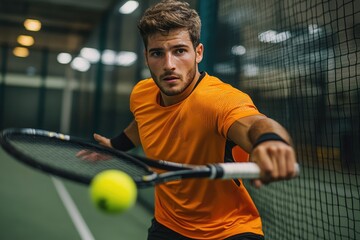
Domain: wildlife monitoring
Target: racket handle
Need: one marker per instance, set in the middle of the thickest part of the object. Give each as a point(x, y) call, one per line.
point(247, 170)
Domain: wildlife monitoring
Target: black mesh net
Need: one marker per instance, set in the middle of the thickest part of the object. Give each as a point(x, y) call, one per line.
point(300, 62)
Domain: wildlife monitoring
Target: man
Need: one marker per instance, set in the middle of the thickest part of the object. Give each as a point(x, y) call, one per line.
point(184, 115)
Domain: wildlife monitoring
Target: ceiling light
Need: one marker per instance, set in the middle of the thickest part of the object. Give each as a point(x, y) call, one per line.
point(272, 36)
point(21, 52)
point(25, 40)
point(125, 58)
point(108, 57)
point(250, 70)
point(238, 50)
point(314, 29)
point(64, 58)
point(32, 25)
point(129, 7)
point(80, 64)
point(91, 54)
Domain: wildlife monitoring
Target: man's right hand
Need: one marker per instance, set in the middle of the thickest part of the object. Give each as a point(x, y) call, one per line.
point(95, 156)
point(102, 140)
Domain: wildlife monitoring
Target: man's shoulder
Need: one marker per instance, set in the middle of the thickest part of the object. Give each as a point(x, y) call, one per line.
point(145, 82)
point(213, 84)
point(144, 85)
point(144, 92)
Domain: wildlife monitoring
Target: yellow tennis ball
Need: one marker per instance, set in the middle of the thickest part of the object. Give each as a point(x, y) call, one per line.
point(113, 191)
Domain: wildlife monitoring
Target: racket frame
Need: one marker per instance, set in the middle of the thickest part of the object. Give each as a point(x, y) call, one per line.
point(176, 171)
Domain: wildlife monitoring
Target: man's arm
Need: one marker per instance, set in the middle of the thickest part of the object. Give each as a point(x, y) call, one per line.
point(273, 152)
point(130, 132)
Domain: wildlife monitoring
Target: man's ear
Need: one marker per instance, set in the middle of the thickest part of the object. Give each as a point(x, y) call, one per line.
point(199, 51)
point(145, 56)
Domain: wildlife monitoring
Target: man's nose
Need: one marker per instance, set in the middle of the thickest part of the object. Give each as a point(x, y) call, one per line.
point(169, 62)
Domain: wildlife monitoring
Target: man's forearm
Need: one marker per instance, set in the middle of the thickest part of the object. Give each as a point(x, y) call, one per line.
point(267, 125)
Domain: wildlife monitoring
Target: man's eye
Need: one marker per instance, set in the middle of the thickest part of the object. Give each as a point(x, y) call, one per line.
point(156, 54)
point(180, 51)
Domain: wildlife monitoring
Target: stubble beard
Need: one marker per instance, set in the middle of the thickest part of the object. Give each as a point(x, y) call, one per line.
point(190, 77)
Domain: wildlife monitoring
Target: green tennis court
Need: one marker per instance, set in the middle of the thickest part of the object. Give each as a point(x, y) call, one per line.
point(35, 206)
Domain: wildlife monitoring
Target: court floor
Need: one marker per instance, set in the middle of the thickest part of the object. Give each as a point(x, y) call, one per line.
point(37, 206)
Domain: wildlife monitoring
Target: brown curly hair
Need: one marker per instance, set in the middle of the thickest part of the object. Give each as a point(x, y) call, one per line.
point(168, 15)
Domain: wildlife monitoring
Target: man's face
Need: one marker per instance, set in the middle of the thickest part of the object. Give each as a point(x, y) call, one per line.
point(172, 61)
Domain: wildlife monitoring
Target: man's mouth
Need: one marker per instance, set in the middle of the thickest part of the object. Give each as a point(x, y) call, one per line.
point(170, 78)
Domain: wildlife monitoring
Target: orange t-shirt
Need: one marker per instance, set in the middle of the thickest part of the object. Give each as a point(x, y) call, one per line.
point(194, 132)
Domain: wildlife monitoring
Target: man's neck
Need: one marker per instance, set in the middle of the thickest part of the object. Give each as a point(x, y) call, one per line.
point(166, 101)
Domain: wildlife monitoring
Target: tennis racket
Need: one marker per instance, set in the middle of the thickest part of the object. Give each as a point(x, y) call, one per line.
point(61, 155)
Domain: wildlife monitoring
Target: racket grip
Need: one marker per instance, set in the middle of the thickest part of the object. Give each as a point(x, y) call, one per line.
point(247, 170)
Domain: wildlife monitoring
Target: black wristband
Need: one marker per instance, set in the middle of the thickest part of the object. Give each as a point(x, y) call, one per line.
point(122, 142)
point(269, 137)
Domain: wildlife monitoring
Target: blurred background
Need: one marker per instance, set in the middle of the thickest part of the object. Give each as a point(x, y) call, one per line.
point(70, 66)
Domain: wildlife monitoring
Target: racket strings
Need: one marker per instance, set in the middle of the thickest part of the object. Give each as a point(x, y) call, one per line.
point(61, 155)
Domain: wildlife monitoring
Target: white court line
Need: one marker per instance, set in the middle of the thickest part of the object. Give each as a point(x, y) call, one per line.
point(72, 210)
